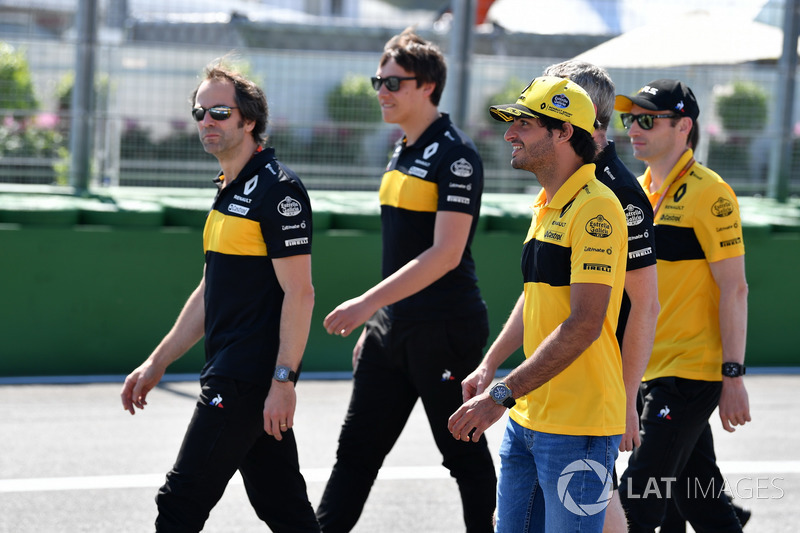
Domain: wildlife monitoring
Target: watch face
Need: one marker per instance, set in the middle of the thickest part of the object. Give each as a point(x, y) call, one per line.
point(499, 392)
point(282, 373)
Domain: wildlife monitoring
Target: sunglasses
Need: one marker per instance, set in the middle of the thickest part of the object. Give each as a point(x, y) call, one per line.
point(392, 82)
point(645, 121)
point(218, 112)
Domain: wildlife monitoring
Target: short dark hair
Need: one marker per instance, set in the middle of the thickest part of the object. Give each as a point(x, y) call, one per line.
point(249, 97)
point(581, 141)
point(694, 134)
point(416, 55)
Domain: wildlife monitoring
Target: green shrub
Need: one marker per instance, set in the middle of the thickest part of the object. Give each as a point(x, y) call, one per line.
point(16, 84)
point(743, 107)
point(353, 100)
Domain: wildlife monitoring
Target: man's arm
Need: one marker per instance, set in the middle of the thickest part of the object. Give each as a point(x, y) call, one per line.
point(641, 285)
point(729, 274)
point(449, 240)
point(507, 342)
point(187, 330)
point(588, 306)
point(294, 277)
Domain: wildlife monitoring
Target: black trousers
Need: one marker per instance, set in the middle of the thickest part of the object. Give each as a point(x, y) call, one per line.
point(401, 362)
point(676, 459)
point(227, 434)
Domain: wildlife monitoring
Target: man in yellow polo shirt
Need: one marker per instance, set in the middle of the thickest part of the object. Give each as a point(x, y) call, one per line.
point(698, 353)
point(568, 397)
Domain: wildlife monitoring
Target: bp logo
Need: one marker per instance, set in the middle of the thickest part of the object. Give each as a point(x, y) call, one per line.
point(584, 509)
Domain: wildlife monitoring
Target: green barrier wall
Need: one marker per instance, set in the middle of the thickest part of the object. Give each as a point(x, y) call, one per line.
point(95, 298)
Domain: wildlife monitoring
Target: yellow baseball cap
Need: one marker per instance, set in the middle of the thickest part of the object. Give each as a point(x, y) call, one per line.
point(554, 97)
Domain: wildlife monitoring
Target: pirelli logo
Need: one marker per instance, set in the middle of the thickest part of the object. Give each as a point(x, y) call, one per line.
point(597, 267)
point(458, 199)
point(730, 242)
point(296, 242)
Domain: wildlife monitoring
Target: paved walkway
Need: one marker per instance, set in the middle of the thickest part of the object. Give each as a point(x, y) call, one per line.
point(74, 461)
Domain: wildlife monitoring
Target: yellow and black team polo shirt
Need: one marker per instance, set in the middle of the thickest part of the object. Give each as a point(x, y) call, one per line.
point(264, 213)
point(442, 171)
point(579, 237)
point(698, 223)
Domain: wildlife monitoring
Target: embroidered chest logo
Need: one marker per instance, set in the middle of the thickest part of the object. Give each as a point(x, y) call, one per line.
point(430, 150)
point(250, 185)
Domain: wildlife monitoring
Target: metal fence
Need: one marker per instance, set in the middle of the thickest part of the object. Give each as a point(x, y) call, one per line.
point(324, 121)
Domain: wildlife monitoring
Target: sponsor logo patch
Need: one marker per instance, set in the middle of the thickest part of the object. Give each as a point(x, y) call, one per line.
point(458, 199)
point(461, 168)
point(722, 208)
point(730, 242)
point(640, 253)
point(597, 267)
point(289, 207)
point(296, 242)
point(238, 209)
point(250, 185)
point(634, 215)
point(418, 172)
point(430, 150)
point(553, 235)
point(599, 227)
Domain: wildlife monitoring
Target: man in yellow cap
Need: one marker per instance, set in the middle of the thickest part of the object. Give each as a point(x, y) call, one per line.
point(567, 399)
point(697, 362)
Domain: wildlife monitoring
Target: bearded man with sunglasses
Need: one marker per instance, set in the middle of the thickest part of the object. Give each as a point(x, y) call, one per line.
point(697, 362)
point(253, 305)
point(426, 322)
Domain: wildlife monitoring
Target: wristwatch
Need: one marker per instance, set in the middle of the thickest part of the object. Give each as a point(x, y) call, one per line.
point(284, 374)
point(733, 370)
point(501, 395)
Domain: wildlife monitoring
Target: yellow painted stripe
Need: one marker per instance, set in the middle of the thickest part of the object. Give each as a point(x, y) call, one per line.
point(233, 235)
point(408, 192)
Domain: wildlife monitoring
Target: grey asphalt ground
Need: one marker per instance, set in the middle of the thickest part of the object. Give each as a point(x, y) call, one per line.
point(74, 461)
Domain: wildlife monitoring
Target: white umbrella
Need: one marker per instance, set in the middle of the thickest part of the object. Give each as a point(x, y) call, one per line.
point(695, 38)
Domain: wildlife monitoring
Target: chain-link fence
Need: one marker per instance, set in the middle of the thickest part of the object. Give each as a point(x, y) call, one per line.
point(324, 121)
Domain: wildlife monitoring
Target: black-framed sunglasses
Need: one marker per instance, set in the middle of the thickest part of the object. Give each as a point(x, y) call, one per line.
point(392, 82)
point(644, 120)
point(218, 112)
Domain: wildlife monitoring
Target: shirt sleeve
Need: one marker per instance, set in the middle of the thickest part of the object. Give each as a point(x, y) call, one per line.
point(719, 223)
point(286, 220)
point(460, 181)
point(641, 237)
point(599, 243)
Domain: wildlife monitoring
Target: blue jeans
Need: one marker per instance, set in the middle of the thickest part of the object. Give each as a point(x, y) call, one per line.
point(553, 483)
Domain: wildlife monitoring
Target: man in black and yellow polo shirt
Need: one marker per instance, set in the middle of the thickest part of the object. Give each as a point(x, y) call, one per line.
point(567, 399)
point(426, 322)
point(698, 354)
point(253, 305)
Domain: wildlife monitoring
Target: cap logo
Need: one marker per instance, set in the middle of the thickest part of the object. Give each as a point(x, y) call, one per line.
point(561, 101)
point(679, 106)
point(543, 106)
point(649, 90)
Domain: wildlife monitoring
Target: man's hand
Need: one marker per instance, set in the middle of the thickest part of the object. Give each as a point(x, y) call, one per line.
point(279, 408)
point(347, 317)
point(477, 382)
point(473, 418)
point(138, 384)
point(734, 404)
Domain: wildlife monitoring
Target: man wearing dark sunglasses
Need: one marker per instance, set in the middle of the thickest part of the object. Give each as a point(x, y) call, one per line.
point(697, 362)
point(253, 306)
point(426, 322)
